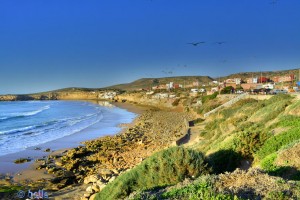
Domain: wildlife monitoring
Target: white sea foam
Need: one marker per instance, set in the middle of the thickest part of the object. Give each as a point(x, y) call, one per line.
point(24, 114)
point(63, 119)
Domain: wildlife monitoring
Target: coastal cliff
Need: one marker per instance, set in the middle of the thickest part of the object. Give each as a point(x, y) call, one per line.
point(70, 94)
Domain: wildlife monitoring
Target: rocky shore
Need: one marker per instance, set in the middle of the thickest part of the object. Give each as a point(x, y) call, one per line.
point(82, 171)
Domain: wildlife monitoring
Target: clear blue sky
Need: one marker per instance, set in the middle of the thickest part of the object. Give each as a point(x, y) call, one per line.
point(51, 44)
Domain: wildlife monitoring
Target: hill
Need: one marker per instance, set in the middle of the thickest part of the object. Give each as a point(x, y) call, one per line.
point(261, 137)
point(244, 75)
point(149, 82)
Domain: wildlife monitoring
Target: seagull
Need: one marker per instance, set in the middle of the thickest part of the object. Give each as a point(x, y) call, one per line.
point(167, 72)
point(220, 43)
point(195, 43)
point(273, 2)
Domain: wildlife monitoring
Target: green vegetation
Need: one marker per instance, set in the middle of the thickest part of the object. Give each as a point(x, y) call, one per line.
point(277, 142)
point(250, 130)
point(209, 97)
point(201, 190)
point(9, 189)
point(224, 161)
point(249, 138)
point(227, 90)
point(164, 168)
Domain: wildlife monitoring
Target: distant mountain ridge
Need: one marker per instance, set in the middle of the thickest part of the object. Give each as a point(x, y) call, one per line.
point(149, 82)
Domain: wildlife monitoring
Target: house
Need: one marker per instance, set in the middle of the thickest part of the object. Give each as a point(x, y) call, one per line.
point(176, 86)
point(196, 83)
point(202, 90)
point(288, 78)
point(249, 86)
point(252, 80)
point(237, 81)
point(262, 79)
point(213, 83)
point(229, 81)
point(150, 92)
point(214, 89)
point(268, 86)
point(109, 95)
point(230, 84)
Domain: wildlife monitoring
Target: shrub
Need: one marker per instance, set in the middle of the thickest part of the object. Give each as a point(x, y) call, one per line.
point(250, 139)
point(224, 161)
point(164, 168)
point(275, 143)
point(202, 190)
point(227, 90)
point(175, 102)
point(209, 97)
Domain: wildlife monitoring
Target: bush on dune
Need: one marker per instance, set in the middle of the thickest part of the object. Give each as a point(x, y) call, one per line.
point(224, 161)
point(164, 168)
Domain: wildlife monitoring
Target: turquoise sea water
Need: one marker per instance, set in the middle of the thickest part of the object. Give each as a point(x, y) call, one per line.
point(31, 123)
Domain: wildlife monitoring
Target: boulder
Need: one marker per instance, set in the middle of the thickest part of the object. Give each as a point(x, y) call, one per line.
point(90, 190)
point(100, 184)
point(105, 172)
point(93, 197)
point(91, 179)
point(112, 179)
point(87, 195)
point(96, 188)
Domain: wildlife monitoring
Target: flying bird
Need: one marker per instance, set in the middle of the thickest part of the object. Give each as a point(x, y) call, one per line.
point(220, 43)
point(273, 2)
point(167, 72)
point(195, 43)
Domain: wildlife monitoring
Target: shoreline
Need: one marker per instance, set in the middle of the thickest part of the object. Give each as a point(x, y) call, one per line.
point(66, 142)
point(62, 173)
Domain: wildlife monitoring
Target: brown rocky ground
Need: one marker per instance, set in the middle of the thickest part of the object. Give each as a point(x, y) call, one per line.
point(254, 183)
point(245, 184)
point(290, 156)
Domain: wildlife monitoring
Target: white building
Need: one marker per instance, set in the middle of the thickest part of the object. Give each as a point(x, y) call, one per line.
point(194, 90)
point(268, 86)
point(238, 81)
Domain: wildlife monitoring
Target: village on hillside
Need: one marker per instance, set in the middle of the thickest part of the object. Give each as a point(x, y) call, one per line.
point(254, 85)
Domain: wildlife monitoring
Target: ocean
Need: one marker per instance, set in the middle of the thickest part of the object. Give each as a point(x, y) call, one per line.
point(25, 124)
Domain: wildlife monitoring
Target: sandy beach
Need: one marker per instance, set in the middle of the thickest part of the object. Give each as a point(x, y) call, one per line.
point(71, 141)
point(149, 132)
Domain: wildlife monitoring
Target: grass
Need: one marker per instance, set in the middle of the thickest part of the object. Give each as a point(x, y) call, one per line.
point(164, 168)
point(209, 97)
point(277, 142)
point(201, 190)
